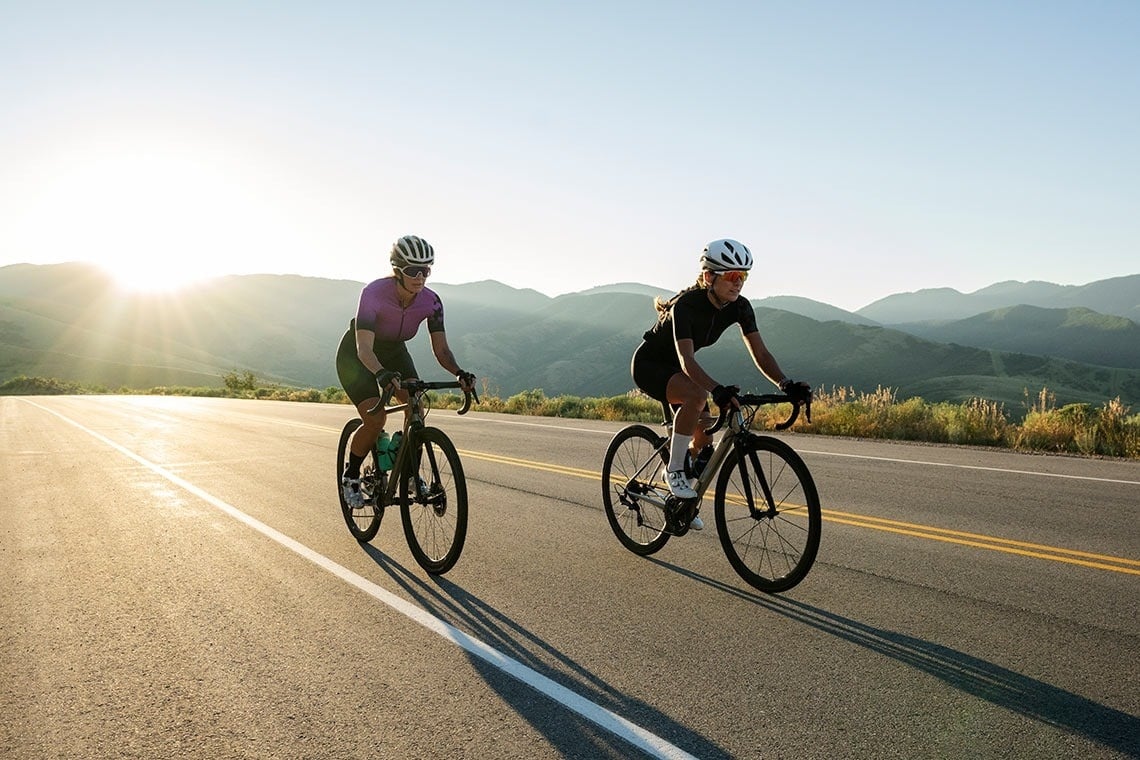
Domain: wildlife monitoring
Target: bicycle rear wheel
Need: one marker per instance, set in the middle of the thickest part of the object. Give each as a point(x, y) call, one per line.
point(633, 489)
point(433, 501)
point(768, 514)
point(363, 522)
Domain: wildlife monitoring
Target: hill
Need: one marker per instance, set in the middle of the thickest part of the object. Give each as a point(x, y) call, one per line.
point(1077, 333)
point(68, 321)
point(1119, 296)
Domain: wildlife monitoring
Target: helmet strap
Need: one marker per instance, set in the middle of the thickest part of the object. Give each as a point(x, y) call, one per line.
point(400, 284)
point(716, 302)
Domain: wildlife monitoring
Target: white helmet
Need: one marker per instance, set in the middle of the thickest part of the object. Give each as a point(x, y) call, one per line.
point(726, 255)
point(411, 250)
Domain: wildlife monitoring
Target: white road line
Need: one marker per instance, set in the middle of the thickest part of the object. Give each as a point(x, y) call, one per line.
point(610, 433)
point(639, 737)
point(972, 467)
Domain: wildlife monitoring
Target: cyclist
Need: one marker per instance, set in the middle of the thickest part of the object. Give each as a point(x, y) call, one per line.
point(373, 353)
point(664, 366)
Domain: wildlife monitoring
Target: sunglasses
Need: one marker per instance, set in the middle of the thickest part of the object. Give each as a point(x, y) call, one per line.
point(415, 271)
point(735, 276)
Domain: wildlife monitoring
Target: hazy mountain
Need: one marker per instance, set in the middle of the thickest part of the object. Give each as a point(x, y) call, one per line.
point(1119, 296)
point(628, 287)
point(816, 310)
point(68, 321)
point(1078, 334)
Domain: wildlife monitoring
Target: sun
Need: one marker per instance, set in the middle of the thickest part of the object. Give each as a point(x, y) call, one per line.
point(156, 214)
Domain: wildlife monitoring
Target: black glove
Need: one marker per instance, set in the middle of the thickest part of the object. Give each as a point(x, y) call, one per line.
point(797, 390)
point(385, 377)
point(724, 394)
point(466, 378)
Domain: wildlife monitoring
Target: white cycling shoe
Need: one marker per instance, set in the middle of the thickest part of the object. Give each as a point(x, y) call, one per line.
point(350, 488)
point(679, 485)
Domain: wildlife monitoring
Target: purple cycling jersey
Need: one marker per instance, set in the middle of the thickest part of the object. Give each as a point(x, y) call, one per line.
point(380, 311)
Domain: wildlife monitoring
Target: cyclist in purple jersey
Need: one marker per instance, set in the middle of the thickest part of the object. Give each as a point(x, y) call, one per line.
point(373, 356)
point(665, 368)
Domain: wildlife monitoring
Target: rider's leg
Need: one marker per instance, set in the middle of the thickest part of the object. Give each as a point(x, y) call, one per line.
point(700, 437)
point(691, 398)
point(365, 436)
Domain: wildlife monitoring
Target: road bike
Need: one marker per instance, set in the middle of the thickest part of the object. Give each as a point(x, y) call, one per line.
point(766, 504)
point(426, 480)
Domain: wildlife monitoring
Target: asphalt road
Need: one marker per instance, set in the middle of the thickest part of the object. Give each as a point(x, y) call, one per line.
point(179, 583)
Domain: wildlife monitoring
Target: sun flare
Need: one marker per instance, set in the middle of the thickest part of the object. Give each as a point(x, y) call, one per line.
point(156, 215)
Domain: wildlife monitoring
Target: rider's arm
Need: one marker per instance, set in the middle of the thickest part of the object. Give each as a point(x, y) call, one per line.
point(763, 358)
point(364, 351)
point(443, 354)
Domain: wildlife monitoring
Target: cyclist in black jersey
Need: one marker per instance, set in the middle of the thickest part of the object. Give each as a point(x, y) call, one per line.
point(665, 368)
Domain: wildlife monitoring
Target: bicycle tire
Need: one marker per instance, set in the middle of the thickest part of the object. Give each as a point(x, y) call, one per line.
point(433, 501)
point(629, 470)
point(363, 522)
point(772, 549)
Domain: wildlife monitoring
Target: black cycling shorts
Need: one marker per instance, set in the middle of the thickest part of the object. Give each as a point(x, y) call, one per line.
point(651, 372)
point(358, 382)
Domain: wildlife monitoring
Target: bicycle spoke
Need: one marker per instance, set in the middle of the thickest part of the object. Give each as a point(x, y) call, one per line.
point(633, 489)
point(771, 545)
point(433, 495)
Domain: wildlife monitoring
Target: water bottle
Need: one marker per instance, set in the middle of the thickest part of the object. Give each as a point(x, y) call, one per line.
point(383, 451)
point(394, 444)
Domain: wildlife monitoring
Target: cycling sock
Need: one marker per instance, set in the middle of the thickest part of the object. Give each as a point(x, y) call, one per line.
point(352, 469)
point(677, 451)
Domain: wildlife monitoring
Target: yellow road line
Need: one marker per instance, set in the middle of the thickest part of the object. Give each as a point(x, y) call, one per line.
point(530, 464)
point(915, 530)
point(993, 543)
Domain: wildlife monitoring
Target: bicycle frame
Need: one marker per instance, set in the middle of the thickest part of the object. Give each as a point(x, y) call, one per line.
point(737, 427)
point(765, 506)
point(413, 423)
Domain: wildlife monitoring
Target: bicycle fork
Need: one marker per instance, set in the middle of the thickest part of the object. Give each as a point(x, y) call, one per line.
point(746, 483)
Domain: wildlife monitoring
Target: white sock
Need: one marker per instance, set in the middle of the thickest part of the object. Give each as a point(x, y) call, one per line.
point(677, 451)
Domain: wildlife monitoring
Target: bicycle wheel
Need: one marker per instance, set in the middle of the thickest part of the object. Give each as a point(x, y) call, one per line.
point(364, 521)
point(634, 490)
point(433, 501)
point(768, 520)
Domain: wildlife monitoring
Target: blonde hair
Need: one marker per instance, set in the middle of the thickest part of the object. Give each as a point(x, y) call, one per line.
point(663, 306)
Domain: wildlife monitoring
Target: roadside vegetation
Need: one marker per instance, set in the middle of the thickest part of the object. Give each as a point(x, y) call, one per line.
point(1110, 430)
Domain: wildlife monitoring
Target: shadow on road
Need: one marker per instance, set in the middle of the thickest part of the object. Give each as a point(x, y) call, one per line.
point(1003, 687)
point(571, 735)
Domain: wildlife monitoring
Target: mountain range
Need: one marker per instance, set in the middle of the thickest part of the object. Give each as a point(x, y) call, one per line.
point(1002, 343)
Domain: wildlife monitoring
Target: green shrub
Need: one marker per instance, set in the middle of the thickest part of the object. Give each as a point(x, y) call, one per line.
point(1111, 430)
point(39, 386)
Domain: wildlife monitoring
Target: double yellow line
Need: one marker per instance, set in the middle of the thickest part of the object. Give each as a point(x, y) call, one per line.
point(915, 530)
point(981, 541)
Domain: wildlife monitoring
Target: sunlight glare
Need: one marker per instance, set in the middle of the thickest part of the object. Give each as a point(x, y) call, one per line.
point(155, 215)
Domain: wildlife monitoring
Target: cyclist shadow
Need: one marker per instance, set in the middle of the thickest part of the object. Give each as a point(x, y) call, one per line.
point(1005, 688)
point(571, 734)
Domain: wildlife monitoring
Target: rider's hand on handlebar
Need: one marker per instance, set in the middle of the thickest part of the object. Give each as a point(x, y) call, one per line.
point(388, 377)
point(725, 395)
point(466, 381)
point(797, 390)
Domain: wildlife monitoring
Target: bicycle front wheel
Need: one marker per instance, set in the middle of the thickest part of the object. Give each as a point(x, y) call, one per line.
point(433, 501)
point(634, 489)
point(768, 514)
point(364, 521)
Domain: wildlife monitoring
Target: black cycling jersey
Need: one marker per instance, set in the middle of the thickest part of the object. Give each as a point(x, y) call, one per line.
point(693, 316)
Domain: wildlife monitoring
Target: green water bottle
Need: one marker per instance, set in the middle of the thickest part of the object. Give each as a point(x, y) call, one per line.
point(383, 451)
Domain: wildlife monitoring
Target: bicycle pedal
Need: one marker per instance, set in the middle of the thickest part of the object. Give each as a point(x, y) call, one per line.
point(678, 514)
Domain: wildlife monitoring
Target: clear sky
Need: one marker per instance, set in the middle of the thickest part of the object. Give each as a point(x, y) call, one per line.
point(859, 148)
